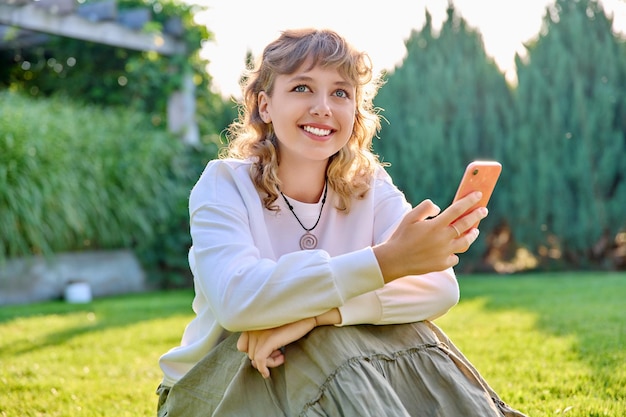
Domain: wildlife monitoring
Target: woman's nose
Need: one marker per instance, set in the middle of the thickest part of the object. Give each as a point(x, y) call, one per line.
point(320, 106)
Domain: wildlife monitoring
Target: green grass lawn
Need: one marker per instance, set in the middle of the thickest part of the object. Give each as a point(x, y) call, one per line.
point(550, 345)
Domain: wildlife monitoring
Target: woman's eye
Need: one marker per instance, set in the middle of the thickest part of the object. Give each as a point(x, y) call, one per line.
point(301, 89)
point(342, 94)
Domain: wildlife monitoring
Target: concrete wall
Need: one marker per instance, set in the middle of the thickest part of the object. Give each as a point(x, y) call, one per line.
point(26, 280)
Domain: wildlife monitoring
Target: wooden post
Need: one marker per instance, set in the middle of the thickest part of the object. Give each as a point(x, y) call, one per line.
point(181, 112)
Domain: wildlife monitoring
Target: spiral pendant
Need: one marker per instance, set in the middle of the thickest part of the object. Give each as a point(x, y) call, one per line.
point(308, 241)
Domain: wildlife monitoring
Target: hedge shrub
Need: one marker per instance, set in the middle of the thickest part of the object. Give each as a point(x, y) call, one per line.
point(76, 177)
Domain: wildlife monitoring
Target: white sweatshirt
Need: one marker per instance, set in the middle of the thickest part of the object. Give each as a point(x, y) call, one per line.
point(249, 272)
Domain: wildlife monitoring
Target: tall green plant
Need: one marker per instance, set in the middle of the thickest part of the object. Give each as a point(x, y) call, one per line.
point(570, 142)
point(165, 257)
point(78, 177)
point(446, 105)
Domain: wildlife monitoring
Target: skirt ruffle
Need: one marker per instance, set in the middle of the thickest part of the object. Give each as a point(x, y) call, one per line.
point(361, 371)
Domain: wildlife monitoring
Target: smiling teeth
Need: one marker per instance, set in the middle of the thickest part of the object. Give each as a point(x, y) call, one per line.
point(316, 131)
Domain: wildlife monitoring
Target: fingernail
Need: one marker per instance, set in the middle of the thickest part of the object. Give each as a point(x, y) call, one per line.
point(478, 195)
point(484, 211)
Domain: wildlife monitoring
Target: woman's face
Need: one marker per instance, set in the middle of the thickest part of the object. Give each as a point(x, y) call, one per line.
point(312, 112)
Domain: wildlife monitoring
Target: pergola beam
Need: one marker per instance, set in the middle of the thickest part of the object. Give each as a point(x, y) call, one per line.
point(37, 19)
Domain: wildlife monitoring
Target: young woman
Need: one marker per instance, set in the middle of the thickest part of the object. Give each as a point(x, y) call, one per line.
point(315, 281)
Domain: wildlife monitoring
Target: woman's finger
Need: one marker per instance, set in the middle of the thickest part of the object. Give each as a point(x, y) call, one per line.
point(457, 209)
point(276, 359)
point(261, 365)
point(462, 225)
point(462, 244)
point(422, 211)
point(242, 342)
point(252, 346)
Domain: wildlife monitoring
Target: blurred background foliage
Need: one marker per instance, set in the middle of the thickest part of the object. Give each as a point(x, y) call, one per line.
point(559, 132)
point(108, 75)
point(76, 177)
point(86, 161)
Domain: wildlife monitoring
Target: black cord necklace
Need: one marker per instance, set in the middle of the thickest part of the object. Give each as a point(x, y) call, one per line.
point(308, 239)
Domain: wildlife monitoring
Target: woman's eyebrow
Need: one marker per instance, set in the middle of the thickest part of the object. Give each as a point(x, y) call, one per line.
point(300, 78)
point(344, 84)
point(306, 78)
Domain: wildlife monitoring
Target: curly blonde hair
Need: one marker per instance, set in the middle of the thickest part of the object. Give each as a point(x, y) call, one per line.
point(350, 170)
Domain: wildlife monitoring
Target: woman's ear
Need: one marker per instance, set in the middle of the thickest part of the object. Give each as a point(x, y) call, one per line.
point(263, 103)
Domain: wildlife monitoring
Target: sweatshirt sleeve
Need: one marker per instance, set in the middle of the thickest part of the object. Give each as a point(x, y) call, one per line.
point(246, 291)
point(407, 299)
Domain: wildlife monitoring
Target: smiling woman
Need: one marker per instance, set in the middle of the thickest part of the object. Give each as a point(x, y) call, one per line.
point(320, 318)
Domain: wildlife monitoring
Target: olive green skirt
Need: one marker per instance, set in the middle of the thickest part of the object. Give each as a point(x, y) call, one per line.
point(361, 371)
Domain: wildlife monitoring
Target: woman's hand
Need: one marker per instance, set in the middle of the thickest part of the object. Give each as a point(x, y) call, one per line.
point(263, 346)
point(422, 244)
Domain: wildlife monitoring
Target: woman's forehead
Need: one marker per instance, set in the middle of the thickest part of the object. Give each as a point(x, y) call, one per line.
point(311, 65)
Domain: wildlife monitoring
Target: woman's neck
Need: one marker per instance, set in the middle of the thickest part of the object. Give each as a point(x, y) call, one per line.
point(304, 182)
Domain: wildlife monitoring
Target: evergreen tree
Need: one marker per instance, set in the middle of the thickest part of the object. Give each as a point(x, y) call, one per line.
point(447, 104)
point(570, 176)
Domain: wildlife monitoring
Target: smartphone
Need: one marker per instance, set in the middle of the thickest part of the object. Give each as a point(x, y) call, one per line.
point(479, 176)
